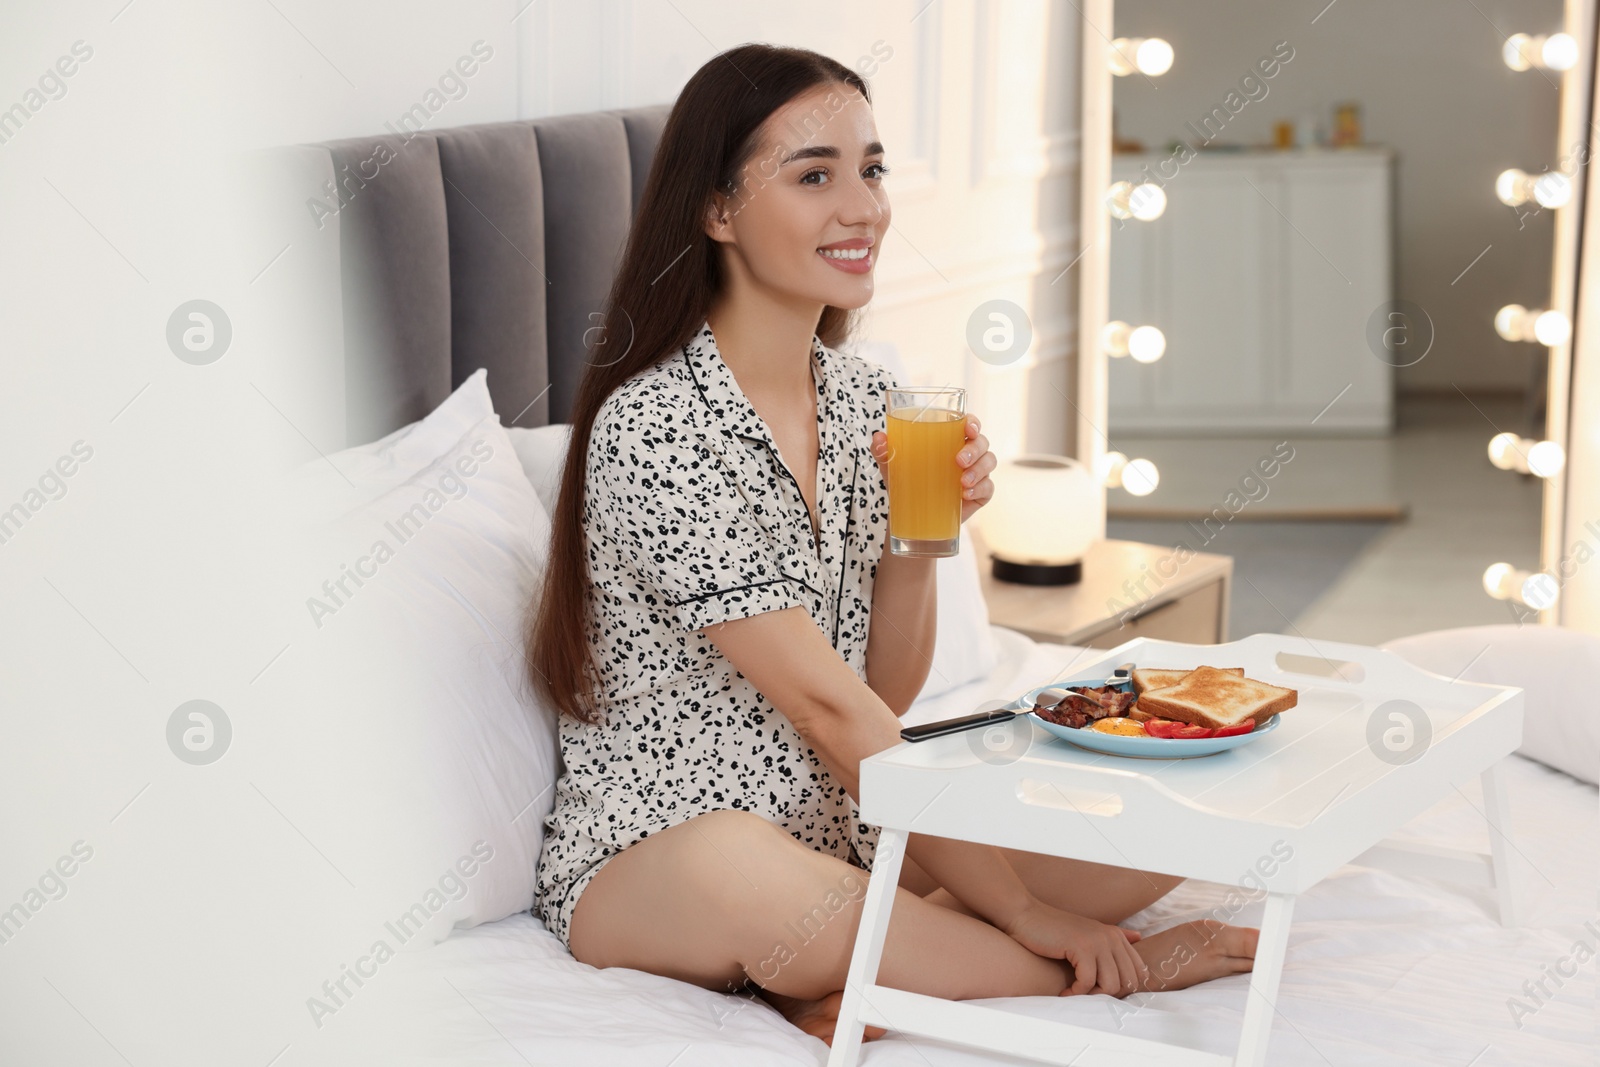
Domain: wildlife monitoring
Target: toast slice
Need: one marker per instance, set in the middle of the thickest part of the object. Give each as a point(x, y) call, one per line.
point(1158, 678)
point(1209, 696)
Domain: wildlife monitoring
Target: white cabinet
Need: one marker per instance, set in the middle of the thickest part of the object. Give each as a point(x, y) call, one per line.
point(1264, 273)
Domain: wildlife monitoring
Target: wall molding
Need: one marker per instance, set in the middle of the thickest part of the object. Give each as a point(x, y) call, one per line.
point(990, 161)
point(985, 30)
point(927, 88)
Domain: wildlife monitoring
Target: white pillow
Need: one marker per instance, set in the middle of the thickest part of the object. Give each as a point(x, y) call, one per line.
point(414, 753)
point(964, 650)
point(1554, 667)
point(543, 452)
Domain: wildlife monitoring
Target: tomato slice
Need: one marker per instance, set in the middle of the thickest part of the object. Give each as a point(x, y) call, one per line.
point(1169, 728)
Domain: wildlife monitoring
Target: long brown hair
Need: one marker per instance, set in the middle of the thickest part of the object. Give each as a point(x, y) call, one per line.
point(670, 273)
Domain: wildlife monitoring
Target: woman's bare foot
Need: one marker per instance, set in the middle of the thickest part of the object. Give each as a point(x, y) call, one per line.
point(1191, 953)
point(1195, 952)
point(816, 1017)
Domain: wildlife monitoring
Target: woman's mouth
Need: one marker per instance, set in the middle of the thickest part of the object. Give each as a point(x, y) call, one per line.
point(852, 257)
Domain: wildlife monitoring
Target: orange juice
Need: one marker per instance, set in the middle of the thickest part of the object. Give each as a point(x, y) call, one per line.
point(924, 478)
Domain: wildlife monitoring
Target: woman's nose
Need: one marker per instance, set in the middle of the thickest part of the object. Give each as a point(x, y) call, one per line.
point(860, 204)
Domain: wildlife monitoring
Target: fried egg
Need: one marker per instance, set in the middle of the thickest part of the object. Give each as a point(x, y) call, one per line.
point(1121, 726)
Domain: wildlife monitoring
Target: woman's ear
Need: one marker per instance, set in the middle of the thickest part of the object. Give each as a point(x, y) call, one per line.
point(719, 219)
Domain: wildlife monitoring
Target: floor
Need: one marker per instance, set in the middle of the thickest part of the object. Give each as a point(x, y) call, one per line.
point(1426, 511)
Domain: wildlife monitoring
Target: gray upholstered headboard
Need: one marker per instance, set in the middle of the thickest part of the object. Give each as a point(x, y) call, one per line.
point(481, 246)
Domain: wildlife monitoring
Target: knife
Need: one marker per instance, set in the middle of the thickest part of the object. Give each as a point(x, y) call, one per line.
point(988, 718)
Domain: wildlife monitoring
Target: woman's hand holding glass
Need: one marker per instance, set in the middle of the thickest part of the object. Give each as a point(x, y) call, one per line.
point(975, 460)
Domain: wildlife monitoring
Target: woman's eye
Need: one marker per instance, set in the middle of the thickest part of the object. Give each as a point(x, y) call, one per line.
point(820, 175)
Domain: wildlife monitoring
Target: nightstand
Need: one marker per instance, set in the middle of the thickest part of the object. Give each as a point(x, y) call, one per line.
point(1128, 590)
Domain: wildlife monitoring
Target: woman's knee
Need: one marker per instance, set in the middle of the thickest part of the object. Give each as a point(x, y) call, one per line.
point(916, 880)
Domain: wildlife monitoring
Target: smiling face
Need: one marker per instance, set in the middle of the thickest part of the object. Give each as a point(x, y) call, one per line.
point(806, 220)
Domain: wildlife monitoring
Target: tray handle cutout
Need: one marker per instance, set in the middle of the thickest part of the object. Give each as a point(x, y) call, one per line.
point(1344, 670)
point(1043, 794)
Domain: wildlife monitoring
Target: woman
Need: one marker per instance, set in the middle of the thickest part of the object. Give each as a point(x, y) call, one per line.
point(721, 628)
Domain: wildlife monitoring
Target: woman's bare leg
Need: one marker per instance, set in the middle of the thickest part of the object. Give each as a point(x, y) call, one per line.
point(1178, 957)
point(729, 895)
point(1093, 890)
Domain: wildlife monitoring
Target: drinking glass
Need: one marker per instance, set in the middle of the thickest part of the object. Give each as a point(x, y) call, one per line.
point(926, 427)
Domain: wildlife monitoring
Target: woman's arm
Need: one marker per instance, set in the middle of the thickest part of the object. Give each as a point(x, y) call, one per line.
point(789, 660)
point(900, 637)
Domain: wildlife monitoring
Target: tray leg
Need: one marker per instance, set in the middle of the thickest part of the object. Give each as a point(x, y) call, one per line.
point(1263, 996)
point(1497, 810)
point(886, 863)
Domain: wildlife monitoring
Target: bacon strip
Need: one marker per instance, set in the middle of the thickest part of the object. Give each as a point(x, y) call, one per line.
point(1086, 704)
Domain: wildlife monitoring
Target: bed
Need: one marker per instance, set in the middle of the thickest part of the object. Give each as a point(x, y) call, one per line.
point(1381, 969)
point(489, 249)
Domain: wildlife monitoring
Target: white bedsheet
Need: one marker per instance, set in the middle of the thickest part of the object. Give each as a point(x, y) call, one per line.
point(1381, 969)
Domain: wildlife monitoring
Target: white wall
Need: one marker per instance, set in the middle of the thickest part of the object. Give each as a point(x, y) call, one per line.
point(1430, 82)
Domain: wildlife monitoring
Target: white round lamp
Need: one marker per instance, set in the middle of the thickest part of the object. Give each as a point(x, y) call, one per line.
point(1042, 519)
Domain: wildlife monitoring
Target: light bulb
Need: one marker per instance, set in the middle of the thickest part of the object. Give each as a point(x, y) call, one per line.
point(1114, 338)
point(1108, 468)
point(1549, 188)
point(1552, 328)
point(1147, 55)
point(1117, 199)
point(1154, 56)
point(1560, 52)
point(1137, 476)
point(1508, 321)
point(1514, 187)
point(1121, 56)
point(1556, 51)
point(1552, 189)
point(1517, 323)
point(1496, 580)
point(1539, 591)
point(1146, 344)
point(1503, 450)
point(1525, 455)
point(1536, 589)
point(1147, 202)
point(1546, 459)
point(1515, 51)
point(1140, 477)
point(1128, 201)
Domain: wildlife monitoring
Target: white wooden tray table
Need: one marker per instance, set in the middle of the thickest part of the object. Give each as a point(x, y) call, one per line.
point(1372, 743)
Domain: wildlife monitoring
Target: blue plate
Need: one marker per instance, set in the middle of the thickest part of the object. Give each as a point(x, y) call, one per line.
point(1137, 747)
